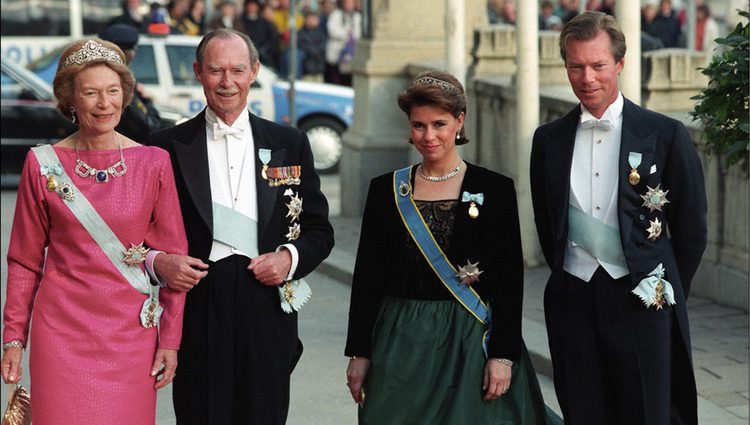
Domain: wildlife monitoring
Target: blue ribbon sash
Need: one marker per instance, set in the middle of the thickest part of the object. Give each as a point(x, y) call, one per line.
point(417, 228)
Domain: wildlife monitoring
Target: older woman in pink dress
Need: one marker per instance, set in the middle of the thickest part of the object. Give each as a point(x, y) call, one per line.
point(88, 211)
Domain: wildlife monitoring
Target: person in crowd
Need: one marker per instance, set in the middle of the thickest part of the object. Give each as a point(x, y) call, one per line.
point(648, 28)
point(608, 7)
point(281, 21)
point(102, 337)
point(312, 44)
point(344, 30)
point(666, 26)
point(493, 11)
point(706, 30)
point(508, 12)
point(434, 331)
point(179, 18)
point(547, 19)
point(139, 118)
point(197, 14)
point(326, 8)
point(255, 215)
point(131, 15)
point(262, 32)
point(620, 209)
point(227, 17)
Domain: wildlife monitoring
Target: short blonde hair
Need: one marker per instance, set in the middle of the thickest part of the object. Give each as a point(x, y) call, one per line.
point(64, 82)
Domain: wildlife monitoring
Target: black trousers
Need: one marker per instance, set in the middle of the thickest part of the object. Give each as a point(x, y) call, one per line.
point(611, 355)
point(237, 353)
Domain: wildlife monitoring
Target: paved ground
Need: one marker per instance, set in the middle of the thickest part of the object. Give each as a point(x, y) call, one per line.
point(719, 335)
point(319, 395)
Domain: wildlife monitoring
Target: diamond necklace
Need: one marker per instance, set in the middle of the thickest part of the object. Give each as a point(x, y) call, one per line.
point(101, 176)
point(439, 178)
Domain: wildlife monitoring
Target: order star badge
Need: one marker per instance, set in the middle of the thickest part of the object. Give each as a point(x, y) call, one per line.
point(294, 231)
point(654, 230)
point(654, 199)
point(469, 273)
point(295, 207)
point(136, 254)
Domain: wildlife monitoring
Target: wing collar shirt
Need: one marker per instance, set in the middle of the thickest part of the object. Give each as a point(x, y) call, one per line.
point(593, 183)
point(231, 164)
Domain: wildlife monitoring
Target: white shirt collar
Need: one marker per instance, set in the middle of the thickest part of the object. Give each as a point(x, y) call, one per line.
point(612, 113)
point(242, 122)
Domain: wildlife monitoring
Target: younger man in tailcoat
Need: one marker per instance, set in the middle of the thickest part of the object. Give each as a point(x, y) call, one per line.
point(620, 209)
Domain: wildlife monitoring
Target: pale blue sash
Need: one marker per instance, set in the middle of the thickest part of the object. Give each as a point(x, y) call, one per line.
point(241, 232)
point(598, 239)
point(433, 254)
point(235, 229)
point(99, 230)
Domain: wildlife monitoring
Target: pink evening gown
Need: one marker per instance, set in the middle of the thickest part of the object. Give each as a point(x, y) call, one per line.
point(90, 358)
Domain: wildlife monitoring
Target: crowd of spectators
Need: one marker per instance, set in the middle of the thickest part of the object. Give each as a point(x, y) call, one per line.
point(663, 22)
point(327, 30)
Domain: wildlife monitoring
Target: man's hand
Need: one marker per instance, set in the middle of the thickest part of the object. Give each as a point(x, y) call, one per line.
point(271, 268)
point(181, 272)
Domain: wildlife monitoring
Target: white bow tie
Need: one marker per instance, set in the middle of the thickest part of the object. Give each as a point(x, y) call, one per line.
point(220, 133)
point(595, 123)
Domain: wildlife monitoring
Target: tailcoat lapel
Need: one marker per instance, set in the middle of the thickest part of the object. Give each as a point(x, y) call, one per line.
point(192, 156)
point(559, 163)
point(633, 139)
point(267, 195)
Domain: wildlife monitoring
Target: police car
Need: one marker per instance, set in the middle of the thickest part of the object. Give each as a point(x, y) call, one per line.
point(164, 65)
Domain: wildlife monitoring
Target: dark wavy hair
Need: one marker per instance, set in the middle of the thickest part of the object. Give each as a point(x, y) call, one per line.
point(439, 89)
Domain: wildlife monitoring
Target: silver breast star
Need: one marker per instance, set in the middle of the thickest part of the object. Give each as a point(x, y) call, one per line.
point(469, 273)
point(295, 207)
point(654, 199)
point(654, 230)
point(294, 232)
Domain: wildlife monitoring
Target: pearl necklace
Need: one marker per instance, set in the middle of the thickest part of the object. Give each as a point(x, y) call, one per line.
point(101, 176)
point(439, 178)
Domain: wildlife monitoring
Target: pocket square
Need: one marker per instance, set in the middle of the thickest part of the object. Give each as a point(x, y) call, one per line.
point(653, 169)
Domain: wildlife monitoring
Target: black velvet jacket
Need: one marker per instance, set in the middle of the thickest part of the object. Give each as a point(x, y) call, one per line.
point(493, 239)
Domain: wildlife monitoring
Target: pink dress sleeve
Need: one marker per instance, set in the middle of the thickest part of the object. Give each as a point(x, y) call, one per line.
point(29, 237)
point(166, 232)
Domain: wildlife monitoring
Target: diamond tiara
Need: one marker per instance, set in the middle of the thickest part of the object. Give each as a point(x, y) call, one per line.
point(431, 81)
point(92, 51)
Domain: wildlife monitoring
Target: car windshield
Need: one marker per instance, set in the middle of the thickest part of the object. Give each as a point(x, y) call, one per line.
point(45, 61)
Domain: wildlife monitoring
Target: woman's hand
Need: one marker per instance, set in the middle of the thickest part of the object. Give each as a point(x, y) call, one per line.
point(11, 365)
point(356, 373)
point(164, 375)
point(496, 379)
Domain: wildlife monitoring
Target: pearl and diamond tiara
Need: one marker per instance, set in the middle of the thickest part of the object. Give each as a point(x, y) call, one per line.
point(92, 51)
point(432, 81)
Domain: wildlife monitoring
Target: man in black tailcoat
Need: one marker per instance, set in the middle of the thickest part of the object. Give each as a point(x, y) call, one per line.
point(620, 209)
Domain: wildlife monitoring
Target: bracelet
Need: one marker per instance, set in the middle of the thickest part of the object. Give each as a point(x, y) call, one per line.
point(14, 343)
point(506, 362)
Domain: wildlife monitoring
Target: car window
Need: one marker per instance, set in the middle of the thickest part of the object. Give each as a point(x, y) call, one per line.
point(181, 60)
point(11, 89)
point(144, 65)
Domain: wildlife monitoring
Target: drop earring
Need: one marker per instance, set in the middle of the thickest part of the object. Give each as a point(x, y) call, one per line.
point(72, 114)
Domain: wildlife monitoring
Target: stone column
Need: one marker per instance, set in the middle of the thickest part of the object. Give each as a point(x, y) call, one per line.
point(629, 18)
point(455, 39)
point(402, 33)
point(527, 95)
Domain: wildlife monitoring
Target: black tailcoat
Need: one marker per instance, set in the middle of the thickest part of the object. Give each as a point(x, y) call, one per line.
point(273, 333)
point(669, 159)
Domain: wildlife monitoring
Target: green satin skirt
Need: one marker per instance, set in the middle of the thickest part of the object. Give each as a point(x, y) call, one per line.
point(428, 366)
